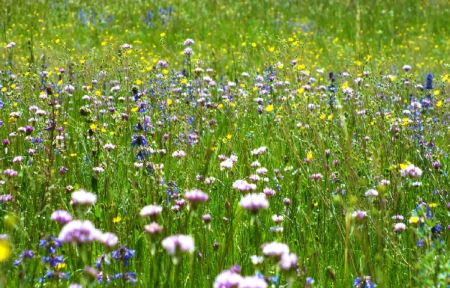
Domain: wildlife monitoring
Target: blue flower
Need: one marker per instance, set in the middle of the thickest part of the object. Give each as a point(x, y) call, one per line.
point(123, 253)
point(429, 84)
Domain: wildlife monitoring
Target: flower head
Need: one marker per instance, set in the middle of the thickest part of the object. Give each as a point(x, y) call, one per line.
point(82, 197)
point(254, 202)
point(177, 244)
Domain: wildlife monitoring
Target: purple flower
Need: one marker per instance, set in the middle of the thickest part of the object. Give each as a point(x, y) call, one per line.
point(288, 261)
point(123, 253)
point(10, 172)
point(151, 210)
point(254, 202)
point(358, 214)
point(399, 227)
point(79, 232)
point(153, 228)
point(363, 282)
point(109, 239)
point(227, 279)
point(82, 197)
point(178, 244)
point(61, 216)
point(196, 197)
point(188, 51)
point(275, 249)
point(243, 186)
point(188, 42)
point(252, 282)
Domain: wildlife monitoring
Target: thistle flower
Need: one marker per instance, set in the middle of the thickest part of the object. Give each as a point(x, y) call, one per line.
point(188, 42)
point(275, 249)
point(178, 244)
point(227, 279)
point(359, 214)
point(288, 261)
point(153, 228)
point(411, 171)
point(109, 239)
point(10, 172)
point(82, 197)
point(259, 151)
point(79, 232)
point(243, 186)
point(254, 202)
point(399, 227)
point(253, 282)
point(151, 210)
point(179, 154)
point(195, 197)
point(61, 216)
point(371, 193)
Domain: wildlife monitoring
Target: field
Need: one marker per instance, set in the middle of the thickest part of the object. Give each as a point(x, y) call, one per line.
point(224, 143)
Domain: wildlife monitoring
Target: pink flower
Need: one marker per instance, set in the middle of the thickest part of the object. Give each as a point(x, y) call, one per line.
point(254, 202)
point(61, 216)
point(82, 197)
point(178, 244)
point(243, 186)
point(399, 227)
point(79, 232)
point(151, 210)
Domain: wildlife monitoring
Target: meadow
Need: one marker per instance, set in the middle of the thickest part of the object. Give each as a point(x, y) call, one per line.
point(224, 143)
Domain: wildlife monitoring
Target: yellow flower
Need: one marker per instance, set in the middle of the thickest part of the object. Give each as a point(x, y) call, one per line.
point(300, 90)
point(220, 106)
point(309, 155)
point(4, 89)
point(439, 103)
point(229, 136)
point(60, 266)
point(184, 81)
point(344, 85)
point(138, 82)
point(13, 86)
point(269, 108)
point(253, 45)
point(98, 93)
point(117, 219)
point(5, 250)
point(323, 116)
point(162, 34)
point(436, 92)
point(433, 205)
point(169, 102)
point(213, 148)
point(73, 155)
point(93, 127)
point(135, 109)
point(330, 116)
point(413, 219)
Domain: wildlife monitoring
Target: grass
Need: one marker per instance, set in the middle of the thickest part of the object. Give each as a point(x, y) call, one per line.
point(103, 96)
